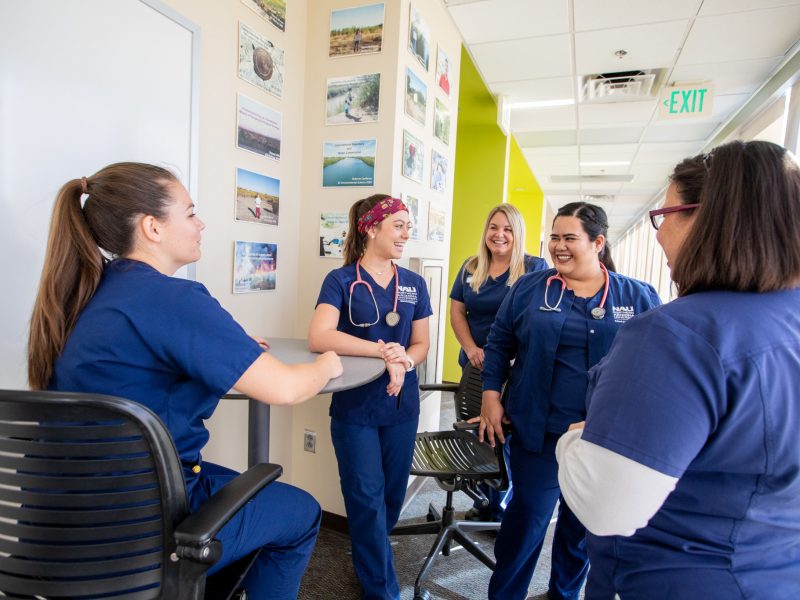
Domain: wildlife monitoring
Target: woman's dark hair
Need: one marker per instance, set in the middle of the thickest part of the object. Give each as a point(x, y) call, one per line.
point(746, 233)
point(73, 263)
point(594, 222)
point(356, 243)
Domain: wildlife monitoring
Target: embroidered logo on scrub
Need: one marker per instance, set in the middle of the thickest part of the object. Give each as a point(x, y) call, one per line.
point(623, 313)
point(407, 294)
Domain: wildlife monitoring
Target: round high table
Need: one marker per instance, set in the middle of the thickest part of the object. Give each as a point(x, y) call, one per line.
point(358, 370)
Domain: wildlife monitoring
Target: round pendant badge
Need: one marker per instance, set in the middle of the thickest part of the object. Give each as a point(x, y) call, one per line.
point(598, 313)
point(392, 318)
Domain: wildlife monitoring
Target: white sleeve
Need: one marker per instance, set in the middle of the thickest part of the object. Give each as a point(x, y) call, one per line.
point(609, 493)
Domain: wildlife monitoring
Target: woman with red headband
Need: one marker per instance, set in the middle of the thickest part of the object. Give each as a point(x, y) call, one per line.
point(372, 307)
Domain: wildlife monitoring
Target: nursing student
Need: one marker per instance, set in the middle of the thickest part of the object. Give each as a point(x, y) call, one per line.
point(123, 326)
point(687, 472)
point(478, 290)
point(557, 324)
point(372, 307)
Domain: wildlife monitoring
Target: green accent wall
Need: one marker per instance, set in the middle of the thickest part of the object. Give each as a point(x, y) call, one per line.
point(478, 185)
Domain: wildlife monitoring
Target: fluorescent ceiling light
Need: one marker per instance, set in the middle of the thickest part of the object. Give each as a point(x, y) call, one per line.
point(541, 103)
point(606, 163)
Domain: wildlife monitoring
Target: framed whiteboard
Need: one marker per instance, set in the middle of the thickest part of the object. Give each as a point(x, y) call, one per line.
point(83, 83)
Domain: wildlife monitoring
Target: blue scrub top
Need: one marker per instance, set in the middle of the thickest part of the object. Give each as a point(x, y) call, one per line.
point(706, 389)
point(523, 332)
point(161, 341)
point(370, 404)
point(483, 305)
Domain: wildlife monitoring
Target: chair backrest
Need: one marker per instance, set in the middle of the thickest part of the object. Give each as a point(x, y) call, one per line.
point(90, 490)
point(470, 391)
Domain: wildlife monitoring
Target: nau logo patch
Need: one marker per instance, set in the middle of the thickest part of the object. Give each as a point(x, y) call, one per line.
point(407, 294)
point(623, 313)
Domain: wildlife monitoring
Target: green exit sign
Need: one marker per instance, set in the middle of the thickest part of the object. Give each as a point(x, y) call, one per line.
point(686, 101)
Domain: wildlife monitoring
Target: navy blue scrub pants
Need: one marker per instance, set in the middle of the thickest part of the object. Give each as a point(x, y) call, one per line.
point(524, 526)
point(374, 465)
point(282, 520)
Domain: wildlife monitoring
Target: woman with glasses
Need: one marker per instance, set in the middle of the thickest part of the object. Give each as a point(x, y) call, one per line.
point(478, 290)
point(687, 471)
point(556, 324)
point(372, 307)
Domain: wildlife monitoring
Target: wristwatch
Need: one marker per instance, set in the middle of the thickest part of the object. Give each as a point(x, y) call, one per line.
point(410, 363)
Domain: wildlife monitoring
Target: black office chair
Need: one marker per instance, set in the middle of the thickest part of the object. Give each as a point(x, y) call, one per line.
point(459, 462)
point(93, 504)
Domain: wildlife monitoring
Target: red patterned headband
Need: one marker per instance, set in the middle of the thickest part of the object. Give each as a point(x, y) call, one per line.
point(376, 214)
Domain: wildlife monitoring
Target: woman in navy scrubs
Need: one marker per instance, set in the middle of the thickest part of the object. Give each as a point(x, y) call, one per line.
point(372, 307)
point(125, 327)
point(478, 290)
point(687, 473)
point(557, 324)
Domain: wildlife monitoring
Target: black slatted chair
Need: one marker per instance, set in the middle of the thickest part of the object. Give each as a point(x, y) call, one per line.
point(459, 462)
point(93, 504)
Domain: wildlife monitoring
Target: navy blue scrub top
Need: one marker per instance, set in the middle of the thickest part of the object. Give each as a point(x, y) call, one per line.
point(483, 305)
point(161, 341)
point(705, 388)
point(538, 341)
point(370, 404)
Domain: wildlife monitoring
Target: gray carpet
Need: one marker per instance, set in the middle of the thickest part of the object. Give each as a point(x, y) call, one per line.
point(459, 576)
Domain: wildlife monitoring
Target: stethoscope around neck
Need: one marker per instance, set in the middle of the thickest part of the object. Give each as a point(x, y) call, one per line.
point(597, 313)
point(392, 317)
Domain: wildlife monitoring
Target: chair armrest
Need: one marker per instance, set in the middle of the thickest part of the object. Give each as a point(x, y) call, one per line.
point(200, 527)
point(439, 387)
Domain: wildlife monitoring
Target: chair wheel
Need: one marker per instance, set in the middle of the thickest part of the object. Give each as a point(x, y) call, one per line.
point(422, 595)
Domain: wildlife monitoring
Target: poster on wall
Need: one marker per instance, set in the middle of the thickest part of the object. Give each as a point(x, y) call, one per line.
point(416, 97)
point(260, 61)
point(257, 197)
point(353, 99)
point(357, 30)
point(436, 217)
point(273, 11)
point(255, 267)
point(438, 171)
point(441, 121)
point(442, 70)
point(419, 38)
point(413, 153)
point(258, 128)
point(332, 231)
point(413, 211)
point(348, 163)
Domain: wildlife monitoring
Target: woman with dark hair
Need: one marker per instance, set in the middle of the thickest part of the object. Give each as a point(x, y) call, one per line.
point(687, 472)
point(555, 324)
point(372, 307)
point(125, 327)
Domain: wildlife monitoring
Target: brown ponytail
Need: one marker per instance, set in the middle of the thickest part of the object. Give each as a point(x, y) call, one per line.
point(355, 243)
point(73, 264)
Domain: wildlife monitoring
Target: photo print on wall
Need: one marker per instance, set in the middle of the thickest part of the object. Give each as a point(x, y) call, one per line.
point(438, 171)
point(442, 70)
point(441, 121)
point(260, 61)
point(332, 231)
point(413, 155)
point(357, 30)
point(348, 163)
point(273, 11)
point(258, 128)
point(416, 100)
point(418, 37)
point(255, 267)
point(436, 223)
point(413, 211)
point(352, 100)
point(257, 197)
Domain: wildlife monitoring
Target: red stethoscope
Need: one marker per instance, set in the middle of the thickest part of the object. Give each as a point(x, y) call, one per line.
point(392, 317)
point(597, 313)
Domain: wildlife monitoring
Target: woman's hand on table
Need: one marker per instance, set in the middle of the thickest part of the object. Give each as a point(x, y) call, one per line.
point(332, 361)
point(393, 353)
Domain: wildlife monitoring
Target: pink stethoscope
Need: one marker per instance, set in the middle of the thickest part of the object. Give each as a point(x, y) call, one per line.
point(392, 317)
point(597, 313)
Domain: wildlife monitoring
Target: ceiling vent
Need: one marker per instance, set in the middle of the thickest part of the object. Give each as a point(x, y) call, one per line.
point(622, 86)
point(594, 198)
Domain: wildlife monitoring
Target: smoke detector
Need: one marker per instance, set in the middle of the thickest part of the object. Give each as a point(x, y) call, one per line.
point(621, 86)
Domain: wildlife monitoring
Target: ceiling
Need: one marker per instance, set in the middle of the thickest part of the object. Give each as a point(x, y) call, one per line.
point(536, 50)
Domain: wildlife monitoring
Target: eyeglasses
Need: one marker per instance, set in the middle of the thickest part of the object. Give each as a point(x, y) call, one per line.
point(657, 215)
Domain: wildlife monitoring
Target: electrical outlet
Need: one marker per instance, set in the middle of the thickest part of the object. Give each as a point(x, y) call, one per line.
point(309, 441)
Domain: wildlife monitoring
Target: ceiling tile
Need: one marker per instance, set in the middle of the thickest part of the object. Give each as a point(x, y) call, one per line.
point(495, 20)
point(607, 113)
point(566, 152)
point(677, 131)
point(567, 137)
point(718, 7)
point(523, 59)
point(591, 14)
point(532, 90)
point(608, 152)
point(557, 117)
point(735, 77)
point(667, 152)
point(611, 135)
